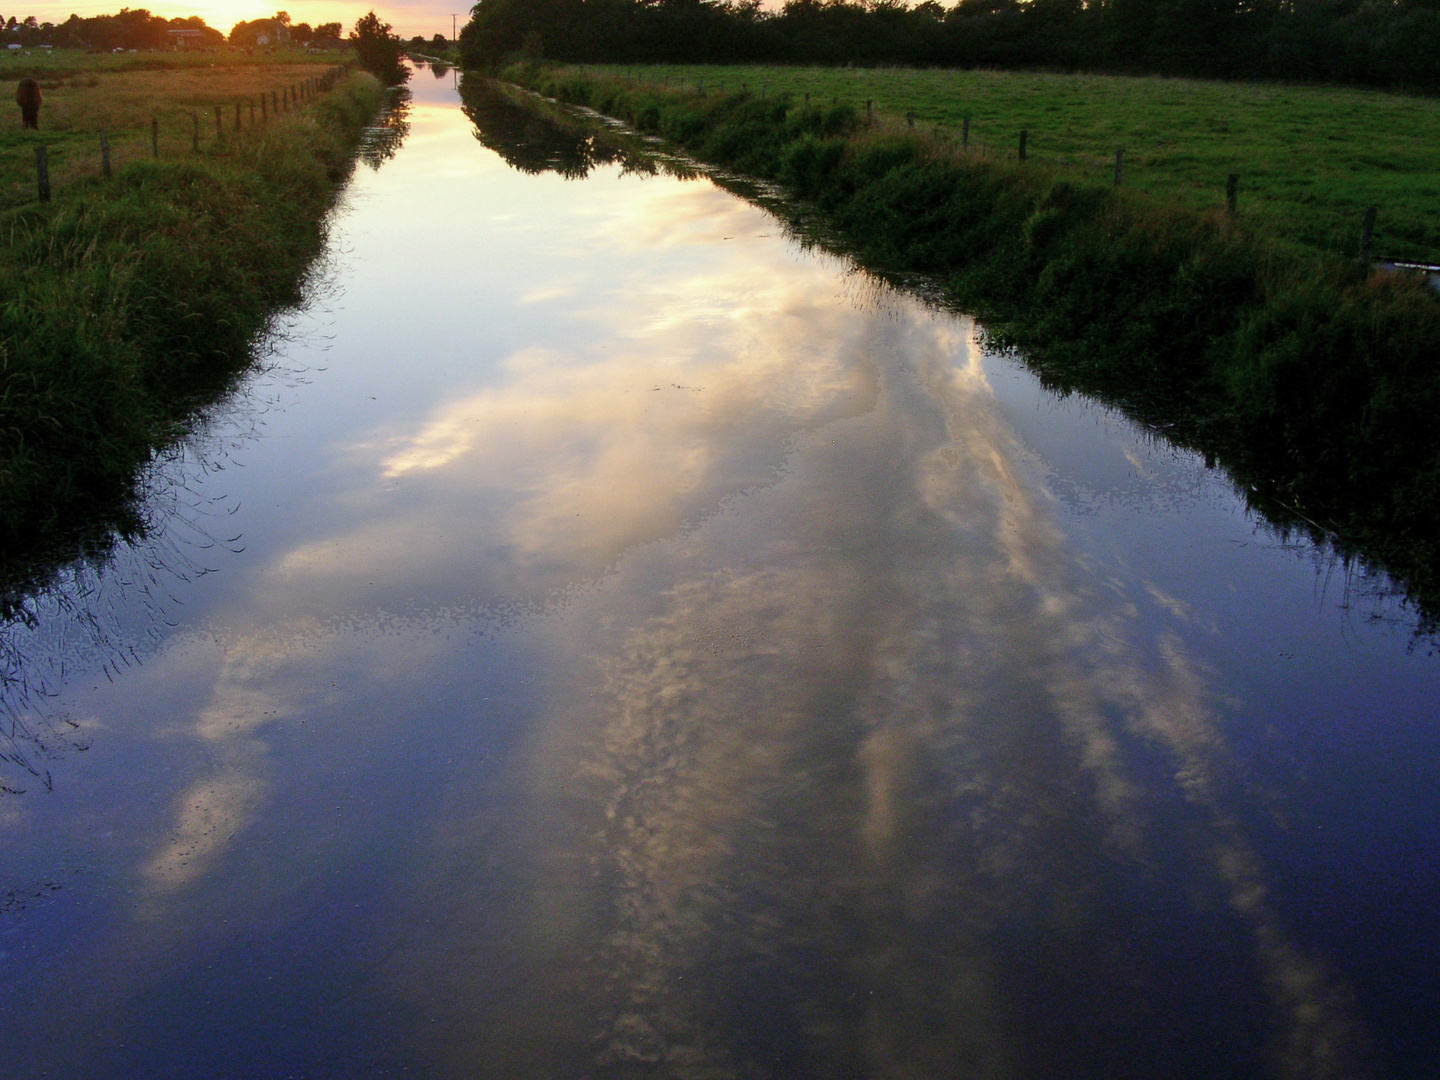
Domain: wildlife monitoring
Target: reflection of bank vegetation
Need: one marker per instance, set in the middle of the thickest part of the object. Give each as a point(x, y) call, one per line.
point(1309, 382)
point(381, 140)
point(533, 136)
point(102, 609)
point(129, 307)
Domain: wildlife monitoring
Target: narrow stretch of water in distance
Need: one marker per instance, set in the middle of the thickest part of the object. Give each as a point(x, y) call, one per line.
point(612, 640)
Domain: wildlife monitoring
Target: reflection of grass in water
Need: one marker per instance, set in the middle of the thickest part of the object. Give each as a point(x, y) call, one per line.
point(76, 607)
point(131, 303)
point(382, 139)
point(535, 140)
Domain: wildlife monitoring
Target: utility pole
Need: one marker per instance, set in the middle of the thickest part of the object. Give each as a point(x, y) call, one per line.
point(452, 29)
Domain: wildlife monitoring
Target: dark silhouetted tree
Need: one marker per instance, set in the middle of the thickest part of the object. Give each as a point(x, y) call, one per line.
point(379, 49)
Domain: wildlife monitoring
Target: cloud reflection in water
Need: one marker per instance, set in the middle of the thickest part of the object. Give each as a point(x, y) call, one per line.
point(843, 761)
point(844, 781)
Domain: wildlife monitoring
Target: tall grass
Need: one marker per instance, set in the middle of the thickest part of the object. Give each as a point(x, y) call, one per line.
point(126, 302)
point(1311, 377)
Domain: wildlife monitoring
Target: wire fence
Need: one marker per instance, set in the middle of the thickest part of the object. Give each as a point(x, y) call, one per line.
point(1110, 168)
point(75, 160)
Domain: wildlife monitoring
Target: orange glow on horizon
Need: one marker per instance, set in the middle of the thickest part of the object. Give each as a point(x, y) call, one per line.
point(424, 17)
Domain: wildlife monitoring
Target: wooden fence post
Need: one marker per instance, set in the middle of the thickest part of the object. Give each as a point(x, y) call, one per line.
point(104, 155)
point(251, 103)
point(264, 114)
point(910, 119)
point(219, 125)
point(1232, 193)
point(42, 172)
point(1367, 234)
point(155, 136)
point(195, 132)
point(1023, 136)
point(1119, 165)
point(869, 112)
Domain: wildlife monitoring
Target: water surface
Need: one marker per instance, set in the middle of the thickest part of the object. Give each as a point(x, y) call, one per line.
point(614, 641)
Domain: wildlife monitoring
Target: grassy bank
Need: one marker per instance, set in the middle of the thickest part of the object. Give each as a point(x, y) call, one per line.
point(1310, 158)
point(126, 302)
point(1311, 378)
point(123, 102)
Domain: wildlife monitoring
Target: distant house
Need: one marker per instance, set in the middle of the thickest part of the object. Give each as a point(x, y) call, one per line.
point(184, 38)
point(259, 34)
point(273, 33)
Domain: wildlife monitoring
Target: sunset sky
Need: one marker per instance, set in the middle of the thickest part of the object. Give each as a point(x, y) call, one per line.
point(408, 17)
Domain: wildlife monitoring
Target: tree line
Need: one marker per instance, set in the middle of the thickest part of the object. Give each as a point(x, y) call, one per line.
point(1386, 43)
point(138, 29)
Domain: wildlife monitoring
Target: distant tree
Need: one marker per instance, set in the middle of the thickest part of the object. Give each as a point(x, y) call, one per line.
point(327, 31)
point(378, 49)
point(439, 41)
point(303, 33)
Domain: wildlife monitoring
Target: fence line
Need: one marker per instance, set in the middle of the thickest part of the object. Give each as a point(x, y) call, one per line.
point(80, 165)
point(1115, 165)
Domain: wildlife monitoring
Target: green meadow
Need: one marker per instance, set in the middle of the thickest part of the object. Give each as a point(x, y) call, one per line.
point(1310, 159)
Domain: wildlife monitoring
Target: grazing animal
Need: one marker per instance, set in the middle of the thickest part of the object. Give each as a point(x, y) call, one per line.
point(27, 96)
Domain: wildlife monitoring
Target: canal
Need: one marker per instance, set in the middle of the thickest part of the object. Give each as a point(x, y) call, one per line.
point(613, 637)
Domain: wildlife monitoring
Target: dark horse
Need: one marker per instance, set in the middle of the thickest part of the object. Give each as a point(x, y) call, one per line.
point(27, 96)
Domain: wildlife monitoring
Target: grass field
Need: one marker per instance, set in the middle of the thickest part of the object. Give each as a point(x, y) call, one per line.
point(119, 94)
point(38, 63)
point(1310, 159)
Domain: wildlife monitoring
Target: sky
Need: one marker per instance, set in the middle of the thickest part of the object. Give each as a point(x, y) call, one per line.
point(408, 17)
